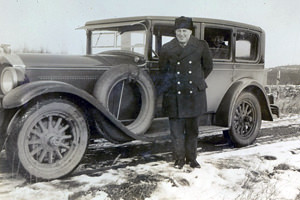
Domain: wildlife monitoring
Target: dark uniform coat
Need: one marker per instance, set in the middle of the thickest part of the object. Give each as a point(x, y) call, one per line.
point(184, 71)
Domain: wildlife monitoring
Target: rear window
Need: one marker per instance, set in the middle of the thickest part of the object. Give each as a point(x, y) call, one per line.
point(246, 47)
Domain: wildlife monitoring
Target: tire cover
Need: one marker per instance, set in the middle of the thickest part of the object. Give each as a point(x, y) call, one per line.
point(111, 77)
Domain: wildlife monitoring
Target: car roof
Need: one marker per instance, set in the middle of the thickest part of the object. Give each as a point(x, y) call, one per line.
point(108, 22)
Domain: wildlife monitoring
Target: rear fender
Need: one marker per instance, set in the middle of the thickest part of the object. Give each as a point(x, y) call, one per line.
point(27, 92)
point(225, 109)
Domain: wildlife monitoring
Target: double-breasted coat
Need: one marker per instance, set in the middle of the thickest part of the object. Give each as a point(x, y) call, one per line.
point(183, 71)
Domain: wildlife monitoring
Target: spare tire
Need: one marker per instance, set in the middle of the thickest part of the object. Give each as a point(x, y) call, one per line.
point(129, 94)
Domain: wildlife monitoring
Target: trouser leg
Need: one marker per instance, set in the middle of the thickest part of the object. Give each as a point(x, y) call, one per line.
point(178, 138)
point(191, 138)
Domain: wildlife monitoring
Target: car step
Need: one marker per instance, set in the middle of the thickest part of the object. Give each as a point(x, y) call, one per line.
point(160, 128)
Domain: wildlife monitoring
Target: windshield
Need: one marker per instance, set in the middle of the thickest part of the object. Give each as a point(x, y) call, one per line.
point(128, 40)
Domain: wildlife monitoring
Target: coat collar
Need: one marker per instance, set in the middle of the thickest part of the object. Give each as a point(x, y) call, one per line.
point(187, 50)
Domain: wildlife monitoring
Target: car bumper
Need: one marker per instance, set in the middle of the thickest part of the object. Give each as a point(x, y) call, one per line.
point(274, 108)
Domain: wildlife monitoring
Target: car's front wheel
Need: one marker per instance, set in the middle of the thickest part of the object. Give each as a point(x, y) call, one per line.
point(246, 120)
point(48, 140)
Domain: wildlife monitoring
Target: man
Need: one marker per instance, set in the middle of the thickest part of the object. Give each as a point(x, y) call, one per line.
point(185, 62)
point(221, 50)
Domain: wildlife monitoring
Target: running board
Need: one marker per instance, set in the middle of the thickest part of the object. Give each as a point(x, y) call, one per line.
point(160, 128)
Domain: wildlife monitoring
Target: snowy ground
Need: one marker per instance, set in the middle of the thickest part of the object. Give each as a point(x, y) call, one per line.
point(261, 171)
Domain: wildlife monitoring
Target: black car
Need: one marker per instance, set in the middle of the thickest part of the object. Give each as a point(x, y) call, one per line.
point(52, 104)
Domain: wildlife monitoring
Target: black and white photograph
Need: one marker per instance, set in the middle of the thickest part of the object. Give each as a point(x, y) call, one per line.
point(149, 100)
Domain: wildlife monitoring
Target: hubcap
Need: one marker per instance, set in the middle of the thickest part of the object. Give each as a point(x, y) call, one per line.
point(50, 139)
point(244, 118)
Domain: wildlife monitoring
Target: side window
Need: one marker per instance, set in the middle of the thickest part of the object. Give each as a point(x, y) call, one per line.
point(246, 45)
point(161, 35)
point(219, 42)
point(158, 42)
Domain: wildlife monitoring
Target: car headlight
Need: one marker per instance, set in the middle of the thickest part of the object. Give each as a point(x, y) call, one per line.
point(10, 78)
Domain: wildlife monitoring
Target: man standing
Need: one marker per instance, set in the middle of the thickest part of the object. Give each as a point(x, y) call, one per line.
point(185, 62)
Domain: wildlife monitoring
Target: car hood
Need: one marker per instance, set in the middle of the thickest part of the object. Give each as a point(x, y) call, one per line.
point(48, 60)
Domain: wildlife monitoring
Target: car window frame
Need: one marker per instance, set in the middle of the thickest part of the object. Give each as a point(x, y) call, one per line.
point(259, 41)
point(196, 33)
point(225, 27)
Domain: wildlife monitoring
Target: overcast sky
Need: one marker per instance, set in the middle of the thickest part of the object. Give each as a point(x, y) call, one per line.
point(51, 24)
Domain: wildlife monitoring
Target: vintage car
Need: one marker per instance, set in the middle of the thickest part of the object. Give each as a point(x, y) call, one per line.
point(51, 105)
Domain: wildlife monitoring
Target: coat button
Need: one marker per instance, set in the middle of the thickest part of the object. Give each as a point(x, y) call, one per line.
point(190, 72)
point(190, 62)
point(178, 63)
point(178, 82)
point(191, 92)
point(190, 82)
point(178, 92)
point(178, 72)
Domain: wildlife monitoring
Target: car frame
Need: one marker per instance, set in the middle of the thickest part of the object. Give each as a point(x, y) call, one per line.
point(53, 104)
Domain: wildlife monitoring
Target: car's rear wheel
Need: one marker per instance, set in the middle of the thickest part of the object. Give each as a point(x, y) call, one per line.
point(246, 120)
point(48, 140)
point(129, 94)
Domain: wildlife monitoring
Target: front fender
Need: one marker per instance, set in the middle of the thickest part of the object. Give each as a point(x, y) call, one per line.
point(4, 120)
point(225, 109)
point(25, 93)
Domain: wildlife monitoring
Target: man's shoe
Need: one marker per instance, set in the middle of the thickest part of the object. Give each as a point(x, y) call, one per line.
point(194, 164)
point(187, 161)
point(179, 164)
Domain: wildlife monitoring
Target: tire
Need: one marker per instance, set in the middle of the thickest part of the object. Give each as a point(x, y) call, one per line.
point(49, 139)
point(138, 86)
point(246, 120)
point(3, 126)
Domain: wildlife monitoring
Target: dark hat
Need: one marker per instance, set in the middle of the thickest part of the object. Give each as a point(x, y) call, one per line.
point(183, 22)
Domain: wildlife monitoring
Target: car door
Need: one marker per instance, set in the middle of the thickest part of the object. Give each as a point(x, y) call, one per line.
point(220, 42)
point(162, 32)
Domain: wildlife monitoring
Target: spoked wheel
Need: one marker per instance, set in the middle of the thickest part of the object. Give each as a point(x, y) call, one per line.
point(246, 120)
point(49, 139)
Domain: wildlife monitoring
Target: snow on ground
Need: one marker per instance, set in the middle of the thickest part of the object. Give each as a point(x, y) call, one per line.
point(284, 120)
point(261, 172)
point(264, 172)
